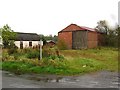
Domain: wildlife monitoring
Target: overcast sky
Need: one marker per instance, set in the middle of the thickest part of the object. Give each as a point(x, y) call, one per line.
point(50, 16)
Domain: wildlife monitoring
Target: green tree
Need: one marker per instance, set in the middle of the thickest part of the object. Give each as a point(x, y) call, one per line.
point(55, 38)
point(110, 35)
point(42, 37)
point(111, 39)
point(49, 37)
point(8, 36)
point(102, 26)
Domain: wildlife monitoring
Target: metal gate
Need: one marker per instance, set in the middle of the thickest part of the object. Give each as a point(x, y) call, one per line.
point(79, 39)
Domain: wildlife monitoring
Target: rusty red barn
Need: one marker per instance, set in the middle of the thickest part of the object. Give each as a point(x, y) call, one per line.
point(78, 37)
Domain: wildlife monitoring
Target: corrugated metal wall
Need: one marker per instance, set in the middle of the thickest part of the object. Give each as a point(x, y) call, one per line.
point(79, 39)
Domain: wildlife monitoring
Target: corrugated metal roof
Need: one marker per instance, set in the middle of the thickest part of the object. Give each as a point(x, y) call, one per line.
point(87, 28)
point(74, 27)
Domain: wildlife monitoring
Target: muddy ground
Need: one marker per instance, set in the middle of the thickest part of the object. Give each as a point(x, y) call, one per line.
point(103, 79)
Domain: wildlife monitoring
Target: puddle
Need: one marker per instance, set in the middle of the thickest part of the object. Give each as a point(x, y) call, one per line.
point(93, 82)
point(106, 79)
point(54, 79)
point(8, 74)
point(116, 82)
point(46, 79)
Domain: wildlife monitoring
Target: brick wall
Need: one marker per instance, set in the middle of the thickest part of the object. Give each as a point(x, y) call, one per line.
point(101, 40)
point(67, 37)
point(92, 39)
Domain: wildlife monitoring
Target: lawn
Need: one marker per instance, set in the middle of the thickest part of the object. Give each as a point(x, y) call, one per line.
point(74, 62)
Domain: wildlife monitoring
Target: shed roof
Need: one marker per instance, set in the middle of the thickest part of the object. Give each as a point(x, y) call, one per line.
point(27, 37)
point(74, 27)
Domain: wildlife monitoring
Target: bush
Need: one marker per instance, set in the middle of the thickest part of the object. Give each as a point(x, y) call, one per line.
point(27, 50)
point(5, 56)
point(62, 45)
point(111, 39)
point(61, 57)
point(12, 51)
point(16, 56)
point(46, 51)
point(53, 57)
point(33, 54)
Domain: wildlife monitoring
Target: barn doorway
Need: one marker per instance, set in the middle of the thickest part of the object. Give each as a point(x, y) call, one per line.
point(79, 39)
point(21, 44)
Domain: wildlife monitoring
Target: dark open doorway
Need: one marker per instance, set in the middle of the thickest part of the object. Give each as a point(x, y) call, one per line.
point(21, 44)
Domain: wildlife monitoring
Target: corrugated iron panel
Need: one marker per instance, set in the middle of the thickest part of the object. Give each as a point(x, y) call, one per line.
point(79, 39)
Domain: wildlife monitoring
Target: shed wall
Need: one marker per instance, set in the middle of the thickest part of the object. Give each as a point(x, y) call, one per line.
point(67, 37)
point(79, 40)
point(101, 40)
point(89, 39)
point(92, 39)
point(26, 43)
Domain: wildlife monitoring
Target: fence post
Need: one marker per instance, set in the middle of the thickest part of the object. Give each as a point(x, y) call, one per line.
point(41, 44)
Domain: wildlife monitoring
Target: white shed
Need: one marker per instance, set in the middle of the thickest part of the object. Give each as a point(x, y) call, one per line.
point(25, 40)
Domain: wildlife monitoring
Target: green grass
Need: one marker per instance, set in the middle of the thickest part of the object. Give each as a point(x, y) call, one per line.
point(72, 67)
point(0, 65)
point(75, 62)
point(107, 56)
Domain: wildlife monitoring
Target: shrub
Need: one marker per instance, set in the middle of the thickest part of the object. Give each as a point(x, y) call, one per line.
point(53, 57)
point(12, 51)
point(27, 50)
point(16, 56)
point(61, 57)
point(62, 45)
point(46, 51)
point(5, 56)
point(33, 54)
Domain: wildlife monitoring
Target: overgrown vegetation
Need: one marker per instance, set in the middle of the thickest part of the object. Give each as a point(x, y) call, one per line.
point(33, 54)
point(75, 66)
point(62, 45)
point(69, 62)
point(106, 55)
point(110, 36)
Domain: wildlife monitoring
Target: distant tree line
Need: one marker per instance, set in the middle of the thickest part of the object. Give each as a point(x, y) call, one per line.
point(49, 37)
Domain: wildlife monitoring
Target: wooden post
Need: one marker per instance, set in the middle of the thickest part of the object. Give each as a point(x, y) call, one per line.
point(40, 52)
point(41, 44)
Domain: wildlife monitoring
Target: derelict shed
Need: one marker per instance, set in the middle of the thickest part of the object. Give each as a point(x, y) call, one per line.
point(77, 37)
point(25, 40)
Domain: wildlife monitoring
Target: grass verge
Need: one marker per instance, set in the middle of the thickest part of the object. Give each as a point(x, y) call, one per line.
point(75, 62)
point(67, 67)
